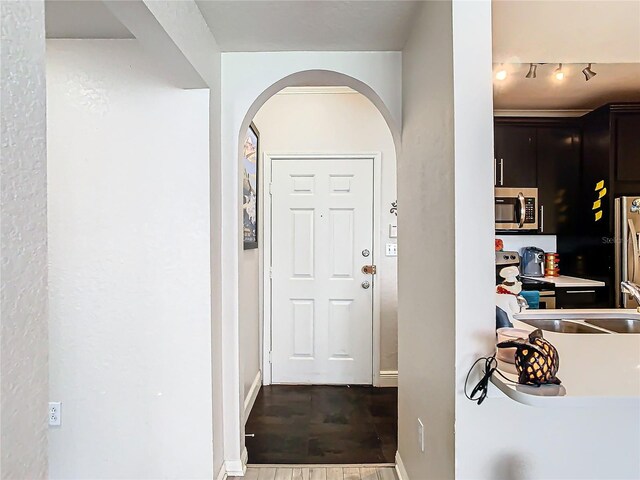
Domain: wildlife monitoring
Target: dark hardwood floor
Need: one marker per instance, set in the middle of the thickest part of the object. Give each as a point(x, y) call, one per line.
point(317, 424)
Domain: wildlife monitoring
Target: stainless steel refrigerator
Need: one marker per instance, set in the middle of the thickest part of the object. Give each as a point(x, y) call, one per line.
point(627, 241)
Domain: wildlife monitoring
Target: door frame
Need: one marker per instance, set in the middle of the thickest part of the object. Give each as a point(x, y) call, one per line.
point(265, 252)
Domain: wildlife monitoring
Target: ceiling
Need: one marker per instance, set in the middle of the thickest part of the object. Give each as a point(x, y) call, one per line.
point(602, 31)
point(614, 82)
point(523, 31)
point(316, 25)
point(82, 19)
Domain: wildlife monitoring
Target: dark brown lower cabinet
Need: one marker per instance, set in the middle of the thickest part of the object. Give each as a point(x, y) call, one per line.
point(595, 297)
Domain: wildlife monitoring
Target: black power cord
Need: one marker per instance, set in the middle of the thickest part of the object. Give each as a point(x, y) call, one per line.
point(479, 392)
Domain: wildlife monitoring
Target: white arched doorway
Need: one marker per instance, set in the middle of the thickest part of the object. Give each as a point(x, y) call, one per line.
point(377, 76)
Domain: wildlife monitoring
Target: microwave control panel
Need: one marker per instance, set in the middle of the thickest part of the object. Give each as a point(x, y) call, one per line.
point(529, 210)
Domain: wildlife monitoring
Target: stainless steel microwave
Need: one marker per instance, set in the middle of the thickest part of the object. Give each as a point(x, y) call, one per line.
point(516, 209)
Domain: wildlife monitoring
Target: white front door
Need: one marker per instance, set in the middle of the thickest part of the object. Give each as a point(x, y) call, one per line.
point(321, 237)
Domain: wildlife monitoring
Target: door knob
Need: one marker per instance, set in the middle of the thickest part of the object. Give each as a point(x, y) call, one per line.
point(365, 284)
point(365, 253)
point(369, 270)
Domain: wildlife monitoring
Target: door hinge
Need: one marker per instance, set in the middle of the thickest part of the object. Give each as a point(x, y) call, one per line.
point(270, 272)
point(270, 357)
point(270, 191)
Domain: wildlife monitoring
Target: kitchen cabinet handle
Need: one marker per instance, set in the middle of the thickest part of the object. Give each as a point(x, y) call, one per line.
point(502, 172)
point(580, 291)
point(541, 218)
point(495, 171)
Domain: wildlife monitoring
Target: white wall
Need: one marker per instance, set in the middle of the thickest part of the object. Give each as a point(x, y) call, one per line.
point(377, 73)
point(23, 295)
point(426, 261)
point(250, 317)
point(299, 121)
point(130, 331)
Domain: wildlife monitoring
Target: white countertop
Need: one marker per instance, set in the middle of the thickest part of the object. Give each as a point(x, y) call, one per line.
point(595, 369)
point(565, 281)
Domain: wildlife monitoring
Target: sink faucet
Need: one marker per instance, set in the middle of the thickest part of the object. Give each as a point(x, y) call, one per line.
point(633, 290)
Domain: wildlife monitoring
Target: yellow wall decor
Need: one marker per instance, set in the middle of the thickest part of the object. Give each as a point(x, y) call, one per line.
point(597, 205)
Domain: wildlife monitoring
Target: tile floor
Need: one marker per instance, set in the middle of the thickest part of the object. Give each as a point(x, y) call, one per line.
point(319, 473)
point(313, 425)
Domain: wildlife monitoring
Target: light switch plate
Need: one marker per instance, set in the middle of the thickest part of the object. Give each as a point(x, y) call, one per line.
point(393, 231)
point(392, 249)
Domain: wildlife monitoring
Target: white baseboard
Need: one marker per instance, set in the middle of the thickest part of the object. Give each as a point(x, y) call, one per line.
point(389, 378)
point(222, 474)
point(237, 468)
point(400, 470)
point(251, 395)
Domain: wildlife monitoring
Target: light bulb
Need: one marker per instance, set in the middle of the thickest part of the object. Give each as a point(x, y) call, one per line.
point(501, 74)
point(559, 74)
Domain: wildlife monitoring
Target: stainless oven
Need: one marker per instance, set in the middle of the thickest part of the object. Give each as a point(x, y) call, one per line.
point(547, 299)
point(516, 209)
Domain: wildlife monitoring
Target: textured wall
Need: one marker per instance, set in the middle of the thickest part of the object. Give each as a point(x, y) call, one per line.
point(426, 276)
point(23, 296)
point(129, 266)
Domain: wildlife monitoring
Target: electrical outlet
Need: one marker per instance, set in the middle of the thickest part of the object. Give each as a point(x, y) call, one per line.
point(421, 435)
point(392, 249)
point(54, 414)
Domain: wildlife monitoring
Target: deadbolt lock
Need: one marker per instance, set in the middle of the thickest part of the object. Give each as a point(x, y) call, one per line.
point(369, 269)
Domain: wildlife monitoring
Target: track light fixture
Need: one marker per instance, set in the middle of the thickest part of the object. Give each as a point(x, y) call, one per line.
point(558, 73)
point(588, 73)
point(532, 70)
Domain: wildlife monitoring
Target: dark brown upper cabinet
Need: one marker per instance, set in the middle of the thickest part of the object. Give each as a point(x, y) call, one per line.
point(626, 137)
point(542, 153)
point(558, 163)
point(515, 156)
point(611, 153)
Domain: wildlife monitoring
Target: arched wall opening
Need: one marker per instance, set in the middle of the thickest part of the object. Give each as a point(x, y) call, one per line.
point(321, 78)
point(377, 76)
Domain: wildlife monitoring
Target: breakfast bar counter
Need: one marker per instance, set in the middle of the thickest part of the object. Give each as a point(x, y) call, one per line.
point(599, 368)
point(564, 281)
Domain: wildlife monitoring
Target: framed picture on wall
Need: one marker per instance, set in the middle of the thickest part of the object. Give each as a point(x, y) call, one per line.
point(250, 188)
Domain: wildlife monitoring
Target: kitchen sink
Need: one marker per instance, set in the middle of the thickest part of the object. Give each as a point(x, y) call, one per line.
point(618, 325)
point(560, 326)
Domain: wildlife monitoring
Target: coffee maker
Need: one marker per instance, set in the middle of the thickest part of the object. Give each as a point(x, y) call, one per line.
point(532, 262)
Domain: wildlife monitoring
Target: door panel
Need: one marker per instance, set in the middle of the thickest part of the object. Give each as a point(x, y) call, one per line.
point(322, 317)
point(303, 242)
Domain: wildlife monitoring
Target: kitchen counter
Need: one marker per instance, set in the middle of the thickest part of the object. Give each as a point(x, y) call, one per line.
point(595, 369)
point(564, 281)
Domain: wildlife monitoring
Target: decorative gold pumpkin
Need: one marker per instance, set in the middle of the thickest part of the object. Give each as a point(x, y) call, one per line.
point(537, 361)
